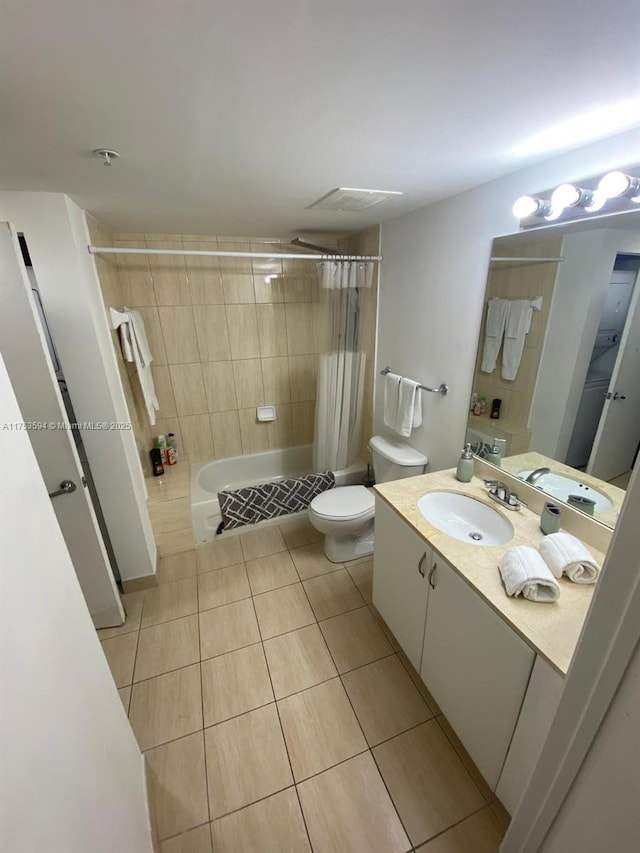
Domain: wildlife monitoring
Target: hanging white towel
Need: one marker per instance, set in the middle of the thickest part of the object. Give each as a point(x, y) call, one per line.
point(564, 554)
point(409, 407)
point(391, 399)
point(496, 320)
point(135, 348)
point(524, 572)
point(517, 327)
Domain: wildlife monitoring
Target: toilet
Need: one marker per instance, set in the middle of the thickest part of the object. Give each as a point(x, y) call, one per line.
point(345, 514)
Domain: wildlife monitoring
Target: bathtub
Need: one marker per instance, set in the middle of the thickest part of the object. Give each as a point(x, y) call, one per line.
point(208, 478)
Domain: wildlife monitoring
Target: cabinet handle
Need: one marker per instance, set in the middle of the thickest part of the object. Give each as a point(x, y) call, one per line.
point(433, 568)
point(422, 559)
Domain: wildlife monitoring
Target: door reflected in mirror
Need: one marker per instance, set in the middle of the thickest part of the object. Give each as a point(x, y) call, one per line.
point(557, 376)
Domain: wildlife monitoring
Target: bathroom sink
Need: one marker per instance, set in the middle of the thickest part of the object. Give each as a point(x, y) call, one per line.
point(560, 486)
point(465, 518)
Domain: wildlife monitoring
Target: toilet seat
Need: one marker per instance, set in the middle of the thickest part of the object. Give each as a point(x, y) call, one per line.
point(346, 503)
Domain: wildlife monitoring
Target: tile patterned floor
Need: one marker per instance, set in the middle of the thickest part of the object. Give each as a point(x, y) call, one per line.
point(277, 712)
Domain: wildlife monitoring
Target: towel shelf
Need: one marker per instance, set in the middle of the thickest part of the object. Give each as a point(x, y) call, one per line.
point(441, 389)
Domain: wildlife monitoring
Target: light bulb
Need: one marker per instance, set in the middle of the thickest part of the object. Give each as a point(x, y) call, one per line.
point(598, 202)
point(617, 185)
point(527, 206)
point(566, 195)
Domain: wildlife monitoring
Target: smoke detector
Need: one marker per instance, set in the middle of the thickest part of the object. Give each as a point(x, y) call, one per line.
point(350, 198)
point(106, 155)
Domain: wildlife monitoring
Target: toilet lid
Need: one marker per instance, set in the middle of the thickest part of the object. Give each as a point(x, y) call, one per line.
point(345, 502)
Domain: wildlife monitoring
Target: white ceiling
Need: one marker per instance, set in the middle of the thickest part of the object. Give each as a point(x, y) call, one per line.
point(233, 116)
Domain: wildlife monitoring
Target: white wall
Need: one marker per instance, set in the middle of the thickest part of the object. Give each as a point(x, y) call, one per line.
point(601, 810)
point(433, 281)
point(56, 233)
point(71, 773)
point(578, 299)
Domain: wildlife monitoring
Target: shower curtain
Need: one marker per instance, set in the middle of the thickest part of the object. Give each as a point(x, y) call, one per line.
point(341, 365)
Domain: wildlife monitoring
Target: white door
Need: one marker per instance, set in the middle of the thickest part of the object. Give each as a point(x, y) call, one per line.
point(401, 563)
point(29, 365)
point(618, 435)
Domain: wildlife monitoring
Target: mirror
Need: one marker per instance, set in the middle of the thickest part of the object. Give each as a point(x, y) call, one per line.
point(559, 348)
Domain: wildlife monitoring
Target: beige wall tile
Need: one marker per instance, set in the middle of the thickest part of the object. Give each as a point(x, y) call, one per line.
point(178, 785)
point(248, 381)
point(243, 331)
point(320, 728)
point(268, 289)
point(351, 802)
point(235, 683)
point(303, 422)
point(155, 338)
point(299, 321)
point(164, 390)
point(168, 646)
point(169, 274)
point(298, 660)
point(135, 276)
point(280, 431)
point(297, 289)
point(203, 274)
point(238, 288)
point(266, 266)
point(196, 437)
point(166, 707)
point(254, 435)
point(235, 265)
point(275, 375)
point(225, 431)
point(179, 334)
point(272, 330)
point(244, 830)
point(246, 760)
point(302, 377)
point(219, 386)
point(211, 329)
point(427, 781)
point(188, 389)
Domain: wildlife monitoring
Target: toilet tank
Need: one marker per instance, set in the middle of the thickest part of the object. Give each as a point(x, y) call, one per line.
point(394, 459)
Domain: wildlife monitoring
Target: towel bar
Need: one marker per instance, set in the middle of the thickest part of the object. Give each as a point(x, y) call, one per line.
point(441, 389)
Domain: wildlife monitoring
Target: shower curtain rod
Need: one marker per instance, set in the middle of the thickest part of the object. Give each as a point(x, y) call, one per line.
point(530, 260)
point(293, 256)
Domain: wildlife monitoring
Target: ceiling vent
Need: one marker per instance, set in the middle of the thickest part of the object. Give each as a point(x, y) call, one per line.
point(348, 198)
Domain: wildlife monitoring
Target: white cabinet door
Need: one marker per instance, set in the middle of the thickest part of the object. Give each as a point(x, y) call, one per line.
point(401, 562)
point(476, 667)
point(538, 710)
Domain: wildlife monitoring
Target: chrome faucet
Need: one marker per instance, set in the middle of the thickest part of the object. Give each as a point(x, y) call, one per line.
point(534, 476)
point(499, 491)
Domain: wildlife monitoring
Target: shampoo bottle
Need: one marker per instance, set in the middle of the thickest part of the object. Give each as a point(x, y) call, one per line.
point(464, 471)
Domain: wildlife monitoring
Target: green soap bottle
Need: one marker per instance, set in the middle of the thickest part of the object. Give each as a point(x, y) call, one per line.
point(493, 456)
point(464, 471)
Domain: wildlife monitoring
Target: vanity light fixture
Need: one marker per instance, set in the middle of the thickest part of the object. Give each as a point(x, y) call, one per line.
point(567, 195)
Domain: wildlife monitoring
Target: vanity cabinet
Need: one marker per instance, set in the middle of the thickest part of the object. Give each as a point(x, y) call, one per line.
point(401, 563)
point(476, 667)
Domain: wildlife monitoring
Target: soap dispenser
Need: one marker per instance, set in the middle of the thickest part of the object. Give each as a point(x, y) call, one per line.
point(464, 471)
point(493, 456)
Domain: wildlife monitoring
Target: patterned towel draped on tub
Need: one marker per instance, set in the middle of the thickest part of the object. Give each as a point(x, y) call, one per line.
point(257, 503)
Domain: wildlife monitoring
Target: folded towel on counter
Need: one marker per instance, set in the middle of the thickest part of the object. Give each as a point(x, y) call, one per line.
point(524, 572)
point(566, 555)
point(391, 399)
point(409, 407)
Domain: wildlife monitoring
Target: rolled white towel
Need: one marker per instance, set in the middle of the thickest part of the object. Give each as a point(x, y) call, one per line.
point(566, 555)
point(524, 573)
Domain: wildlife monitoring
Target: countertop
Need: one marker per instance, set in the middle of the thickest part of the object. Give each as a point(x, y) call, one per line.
point(551, 630)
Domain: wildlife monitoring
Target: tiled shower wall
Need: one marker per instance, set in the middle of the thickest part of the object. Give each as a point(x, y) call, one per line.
point(224, 340)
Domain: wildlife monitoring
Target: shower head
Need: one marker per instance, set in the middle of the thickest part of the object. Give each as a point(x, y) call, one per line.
point(324, 250)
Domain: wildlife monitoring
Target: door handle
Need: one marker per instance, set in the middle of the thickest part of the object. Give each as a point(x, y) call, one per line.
point(66, 487)
point(431, 583)
point(617, 396)
point(420, 563)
